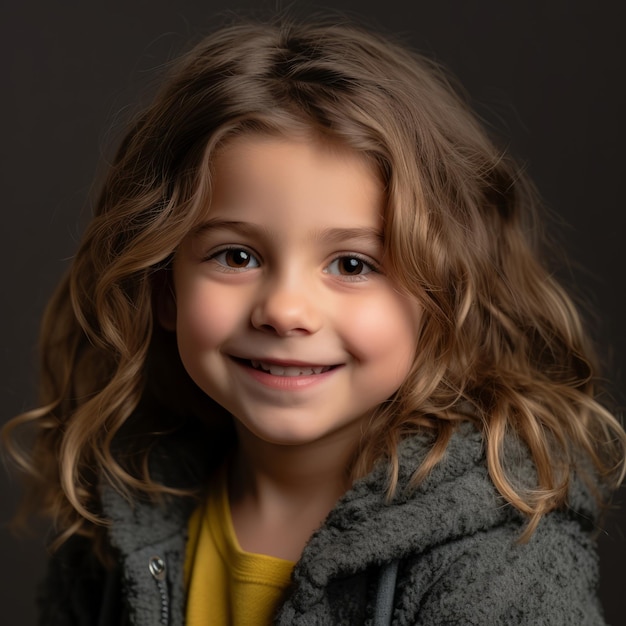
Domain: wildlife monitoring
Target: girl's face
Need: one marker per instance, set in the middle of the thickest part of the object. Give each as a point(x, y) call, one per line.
point(283, 312)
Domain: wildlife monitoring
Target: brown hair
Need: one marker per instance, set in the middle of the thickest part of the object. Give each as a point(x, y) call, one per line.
point(501, 344)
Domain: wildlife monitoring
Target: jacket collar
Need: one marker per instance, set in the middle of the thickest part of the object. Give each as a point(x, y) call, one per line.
point(457, 499)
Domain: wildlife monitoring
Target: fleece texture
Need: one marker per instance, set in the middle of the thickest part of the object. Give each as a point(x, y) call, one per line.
point(454, 542)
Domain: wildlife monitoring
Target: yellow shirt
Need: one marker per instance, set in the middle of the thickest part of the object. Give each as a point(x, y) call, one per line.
point(225, 585)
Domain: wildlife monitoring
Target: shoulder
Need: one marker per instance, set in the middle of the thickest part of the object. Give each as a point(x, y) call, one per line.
point(475, 570)
point(489, 577)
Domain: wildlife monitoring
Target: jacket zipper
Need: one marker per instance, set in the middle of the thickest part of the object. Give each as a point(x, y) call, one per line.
point(157, 568)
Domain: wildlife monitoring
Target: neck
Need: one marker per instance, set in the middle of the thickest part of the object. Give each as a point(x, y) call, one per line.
point(280, 494)
point(297, 472)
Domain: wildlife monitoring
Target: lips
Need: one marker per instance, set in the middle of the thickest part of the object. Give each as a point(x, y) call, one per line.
point(289, 370)
point(286, 369)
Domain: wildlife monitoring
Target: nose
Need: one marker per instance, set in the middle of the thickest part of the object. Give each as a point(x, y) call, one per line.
point(287, 307)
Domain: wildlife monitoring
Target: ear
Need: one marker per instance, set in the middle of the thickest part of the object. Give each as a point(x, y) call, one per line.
point(165, 301)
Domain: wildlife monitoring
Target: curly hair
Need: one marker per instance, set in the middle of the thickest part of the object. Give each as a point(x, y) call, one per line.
point(500, 341)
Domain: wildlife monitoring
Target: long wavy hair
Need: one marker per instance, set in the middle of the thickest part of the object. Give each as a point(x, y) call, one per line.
point(500, 342)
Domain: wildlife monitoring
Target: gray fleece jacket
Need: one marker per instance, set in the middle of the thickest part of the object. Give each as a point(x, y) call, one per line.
point(446, 553)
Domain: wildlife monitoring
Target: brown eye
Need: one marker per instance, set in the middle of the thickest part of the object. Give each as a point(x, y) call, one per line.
point(236, 259)
point(350, 266)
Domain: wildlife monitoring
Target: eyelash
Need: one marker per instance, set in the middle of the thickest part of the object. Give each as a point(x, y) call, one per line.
point(372, 266)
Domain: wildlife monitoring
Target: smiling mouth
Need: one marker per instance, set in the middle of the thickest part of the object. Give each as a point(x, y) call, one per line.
point(286, 370)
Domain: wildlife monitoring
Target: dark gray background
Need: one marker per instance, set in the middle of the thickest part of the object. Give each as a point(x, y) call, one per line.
point(546, 74)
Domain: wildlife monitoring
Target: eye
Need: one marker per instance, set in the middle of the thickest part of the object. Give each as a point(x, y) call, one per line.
point(235, 259)
point(350, 266)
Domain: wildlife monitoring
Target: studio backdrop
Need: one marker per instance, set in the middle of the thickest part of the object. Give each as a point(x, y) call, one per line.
point(546, 76)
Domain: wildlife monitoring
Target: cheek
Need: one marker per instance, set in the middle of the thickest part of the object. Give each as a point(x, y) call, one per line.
point(385, 330)
point(206, 316)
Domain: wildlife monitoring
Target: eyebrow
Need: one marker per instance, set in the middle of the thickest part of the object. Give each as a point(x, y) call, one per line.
point(328, 235)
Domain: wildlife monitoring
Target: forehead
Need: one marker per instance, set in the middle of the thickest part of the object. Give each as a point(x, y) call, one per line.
point(243, 154)
point(257, 175)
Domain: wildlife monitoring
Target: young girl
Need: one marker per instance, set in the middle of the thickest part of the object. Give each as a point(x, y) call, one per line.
point(307, 366)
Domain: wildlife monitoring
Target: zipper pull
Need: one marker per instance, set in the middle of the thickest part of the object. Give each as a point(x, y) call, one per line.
point(156, 566)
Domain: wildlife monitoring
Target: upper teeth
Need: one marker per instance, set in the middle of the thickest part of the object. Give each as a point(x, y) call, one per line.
point(279, 370)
